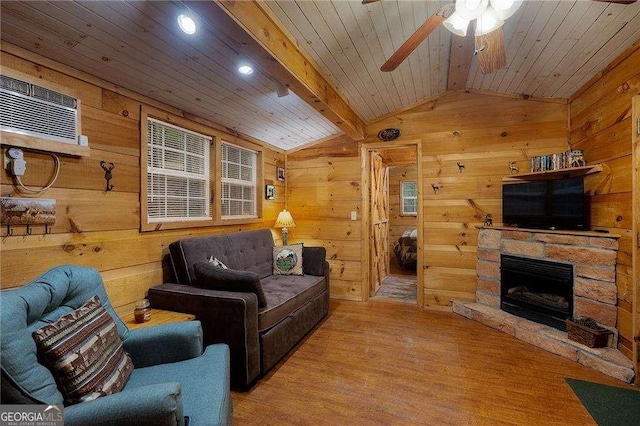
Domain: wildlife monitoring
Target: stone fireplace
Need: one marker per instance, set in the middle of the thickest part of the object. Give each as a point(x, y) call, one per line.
point(573, 275)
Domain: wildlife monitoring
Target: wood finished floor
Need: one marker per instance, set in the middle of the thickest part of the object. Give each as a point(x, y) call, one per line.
point(393, 363)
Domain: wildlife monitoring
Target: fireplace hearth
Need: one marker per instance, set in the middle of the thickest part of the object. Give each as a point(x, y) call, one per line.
point(591, 257)
point(537, 290)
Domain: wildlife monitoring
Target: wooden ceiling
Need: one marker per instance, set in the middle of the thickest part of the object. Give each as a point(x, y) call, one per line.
point(553, 48)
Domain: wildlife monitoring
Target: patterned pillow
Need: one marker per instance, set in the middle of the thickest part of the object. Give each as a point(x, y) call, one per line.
point(287, 260)
point(217, 262)
point(85, 353)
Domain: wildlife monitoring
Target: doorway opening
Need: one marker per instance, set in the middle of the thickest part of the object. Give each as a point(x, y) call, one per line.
point(392, 229)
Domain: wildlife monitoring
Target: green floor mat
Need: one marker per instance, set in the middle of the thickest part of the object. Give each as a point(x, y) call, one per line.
point(608, 405)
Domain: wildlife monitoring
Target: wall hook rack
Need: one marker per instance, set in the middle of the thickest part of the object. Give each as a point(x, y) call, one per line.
point(461, 166)
point(513, 167)
point(107, 173)
point(435, 187)
point(27, 212)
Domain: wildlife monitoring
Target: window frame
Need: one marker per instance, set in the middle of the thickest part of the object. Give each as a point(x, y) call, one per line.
point(215, 173)
point(402, 198)
point(204, 177)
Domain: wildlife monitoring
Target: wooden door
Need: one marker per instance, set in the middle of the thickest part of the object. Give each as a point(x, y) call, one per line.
point(636, 233)
point(379, 199)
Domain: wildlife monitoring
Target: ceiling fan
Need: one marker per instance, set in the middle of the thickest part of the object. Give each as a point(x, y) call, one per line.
point(489, 16)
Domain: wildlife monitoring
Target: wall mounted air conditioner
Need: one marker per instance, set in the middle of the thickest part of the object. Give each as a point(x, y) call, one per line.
point(40, 118)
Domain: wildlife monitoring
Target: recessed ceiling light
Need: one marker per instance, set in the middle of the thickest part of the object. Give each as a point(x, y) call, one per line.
point(186, 24)
point(245, 69)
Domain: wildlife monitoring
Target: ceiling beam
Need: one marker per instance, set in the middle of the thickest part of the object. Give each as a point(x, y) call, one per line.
point(286, 62)
point(459, 62)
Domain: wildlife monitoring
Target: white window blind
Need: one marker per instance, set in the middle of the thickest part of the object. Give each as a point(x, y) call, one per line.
point(409, 197)
point(177, 173)
point(238, 182)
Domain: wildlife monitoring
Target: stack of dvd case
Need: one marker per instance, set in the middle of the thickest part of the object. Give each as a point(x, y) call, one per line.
point(561, 160)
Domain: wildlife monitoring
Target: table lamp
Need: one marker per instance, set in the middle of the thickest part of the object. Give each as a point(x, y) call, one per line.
point(285, 221)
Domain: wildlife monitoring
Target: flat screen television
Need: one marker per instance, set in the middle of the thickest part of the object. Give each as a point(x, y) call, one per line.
point(549, 204)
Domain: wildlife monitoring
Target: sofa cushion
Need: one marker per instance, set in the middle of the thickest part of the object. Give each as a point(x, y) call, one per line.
point(285, 294)
point(84, 352)
point(216, 278)
point(287, 260)
point(313, 260)
point(245, 251)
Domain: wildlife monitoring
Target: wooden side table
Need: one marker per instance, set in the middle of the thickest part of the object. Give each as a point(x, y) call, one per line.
point(158, 316)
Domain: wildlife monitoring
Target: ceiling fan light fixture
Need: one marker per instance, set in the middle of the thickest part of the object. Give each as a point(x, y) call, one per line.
point(457, 24)
point(505, 8)
point(471, 9)
point(488, 22)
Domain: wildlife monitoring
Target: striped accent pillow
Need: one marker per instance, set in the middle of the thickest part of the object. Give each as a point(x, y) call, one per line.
point(85, 353)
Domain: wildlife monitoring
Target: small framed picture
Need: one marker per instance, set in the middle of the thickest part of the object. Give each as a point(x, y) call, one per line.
point(280, 174)
point(269, 192)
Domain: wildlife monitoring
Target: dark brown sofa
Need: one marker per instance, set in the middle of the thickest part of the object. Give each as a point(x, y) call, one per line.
point(258, 337)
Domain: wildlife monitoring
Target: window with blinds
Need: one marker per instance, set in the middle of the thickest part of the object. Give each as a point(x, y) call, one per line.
point(177, 173)
point(238, 182)
point(409, 197)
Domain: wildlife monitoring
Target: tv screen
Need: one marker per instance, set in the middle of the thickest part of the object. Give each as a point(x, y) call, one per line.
point(552, 204)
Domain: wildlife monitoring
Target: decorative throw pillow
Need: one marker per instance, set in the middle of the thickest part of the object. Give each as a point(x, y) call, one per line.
point(85, 353)
point(216, 262)
point(215, 278)
point(287, 260)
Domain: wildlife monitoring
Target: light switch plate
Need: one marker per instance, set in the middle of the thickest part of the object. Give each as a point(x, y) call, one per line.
point(354, 215)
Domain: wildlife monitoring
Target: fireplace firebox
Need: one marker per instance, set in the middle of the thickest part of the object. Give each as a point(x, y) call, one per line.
point(537, 290)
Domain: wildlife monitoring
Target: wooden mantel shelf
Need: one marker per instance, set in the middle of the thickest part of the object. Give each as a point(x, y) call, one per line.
point(570, 172)
point(553, 231)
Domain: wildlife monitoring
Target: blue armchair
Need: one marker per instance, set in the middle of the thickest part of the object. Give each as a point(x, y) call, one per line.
point(173, 376)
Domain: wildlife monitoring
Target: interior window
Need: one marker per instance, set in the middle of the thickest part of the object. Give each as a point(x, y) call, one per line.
point(238, 182)
point(409, 197)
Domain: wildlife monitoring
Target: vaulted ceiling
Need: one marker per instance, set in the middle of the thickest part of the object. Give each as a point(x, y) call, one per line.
point(552, 47)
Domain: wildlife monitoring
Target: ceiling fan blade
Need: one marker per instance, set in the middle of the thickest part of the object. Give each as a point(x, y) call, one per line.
point(617, 1)
point(491, 52)
point(417, 37)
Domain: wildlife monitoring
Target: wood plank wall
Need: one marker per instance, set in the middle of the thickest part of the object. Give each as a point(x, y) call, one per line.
point(94, 227)
point(323, 188)
point(481, 131)
point(600, 124)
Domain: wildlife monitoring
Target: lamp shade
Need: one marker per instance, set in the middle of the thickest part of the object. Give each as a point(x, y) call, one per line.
point(456, 24)
point(285, 220)
point(471, 9)
point(505, 8)
point(488, 22)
